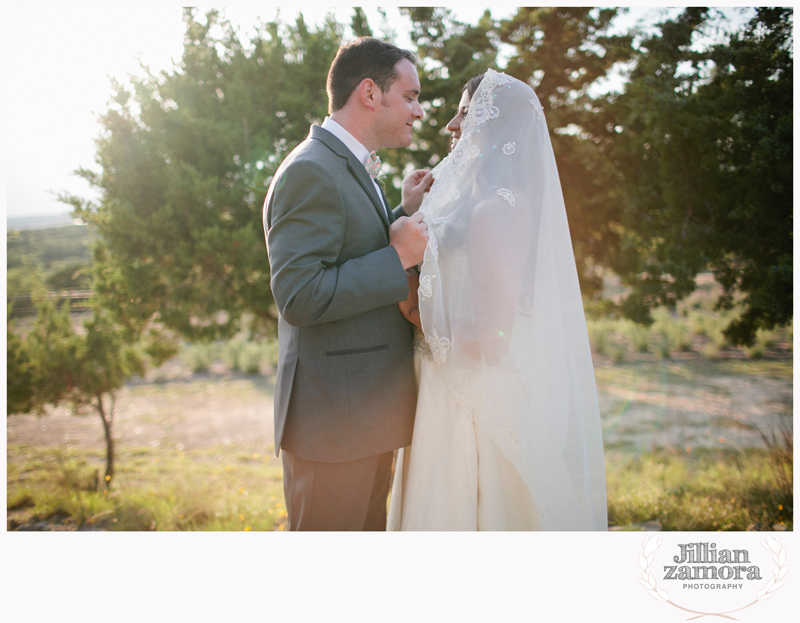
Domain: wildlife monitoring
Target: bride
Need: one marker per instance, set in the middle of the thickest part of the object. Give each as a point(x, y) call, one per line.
point(507, 432)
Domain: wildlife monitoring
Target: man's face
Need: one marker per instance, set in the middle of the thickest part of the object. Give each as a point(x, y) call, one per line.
point(454, 127)
point(399, 107)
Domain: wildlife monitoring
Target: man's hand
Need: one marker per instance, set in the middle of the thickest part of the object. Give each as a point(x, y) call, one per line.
point(409, 237)
point(410, 307)
point(413, 189)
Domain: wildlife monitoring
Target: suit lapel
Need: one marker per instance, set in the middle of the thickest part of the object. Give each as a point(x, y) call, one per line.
point(356, 168)
point(388, 207)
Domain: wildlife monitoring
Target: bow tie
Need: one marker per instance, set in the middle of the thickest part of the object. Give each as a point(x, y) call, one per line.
point(373, 165)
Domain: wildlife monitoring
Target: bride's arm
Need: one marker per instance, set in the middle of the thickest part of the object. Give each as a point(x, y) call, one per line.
point(496, 254)
point(410, 307)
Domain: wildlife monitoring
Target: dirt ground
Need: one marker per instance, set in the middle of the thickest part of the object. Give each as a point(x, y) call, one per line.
point(690, 405)
point(644, 406)
point(172, 407)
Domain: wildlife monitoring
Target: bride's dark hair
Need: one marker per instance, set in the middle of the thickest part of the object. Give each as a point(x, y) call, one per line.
point(472, 85)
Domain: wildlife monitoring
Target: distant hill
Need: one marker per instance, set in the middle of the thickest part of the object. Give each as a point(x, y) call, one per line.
point(61, 256)
point(41, 222)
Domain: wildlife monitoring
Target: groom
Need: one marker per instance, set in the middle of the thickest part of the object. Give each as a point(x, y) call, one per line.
point(345, 392)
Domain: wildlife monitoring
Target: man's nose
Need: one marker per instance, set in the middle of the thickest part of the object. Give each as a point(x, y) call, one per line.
point(417, 111)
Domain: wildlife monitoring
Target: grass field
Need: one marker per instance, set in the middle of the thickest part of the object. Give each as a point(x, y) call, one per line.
point(698, 436)
point(194, 451)
point(227, 488)
point(215, 488)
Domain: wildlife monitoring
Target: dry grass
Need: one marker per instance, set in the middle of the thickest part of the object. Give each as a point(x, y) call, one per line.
point(217, 488)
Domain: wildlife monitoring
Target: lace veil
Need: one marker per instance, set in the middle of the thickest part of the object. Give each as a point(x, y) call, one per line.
point(501, 307)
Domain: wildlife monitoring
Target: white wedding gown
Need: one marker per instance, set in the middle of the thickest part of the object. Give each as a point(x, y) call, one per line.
point(453, 476)
point(507, 433)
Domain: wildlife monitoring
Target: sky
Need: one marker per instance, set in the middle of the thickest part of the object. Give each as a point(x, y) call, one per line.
point(59, 62)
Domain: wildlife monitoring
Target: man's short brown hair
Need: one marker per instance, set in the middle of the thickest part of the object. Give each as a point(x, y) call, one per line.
point(366, 57)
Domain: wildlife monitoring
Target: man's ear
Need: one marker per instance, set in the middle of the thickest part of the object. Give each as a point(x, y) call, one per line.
point(367, 92)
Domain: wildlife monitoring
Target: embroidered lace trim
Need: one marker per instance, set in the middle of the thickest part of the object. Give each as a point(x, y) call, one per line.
point(440, 348)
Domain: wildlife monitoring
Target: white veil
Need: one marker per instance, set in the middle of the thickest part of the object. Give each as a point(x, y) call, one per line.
point(501, 307)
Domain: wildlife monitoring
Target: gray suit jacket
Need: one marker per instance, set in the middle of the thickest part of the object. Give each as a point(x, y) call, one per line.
point(345, 388)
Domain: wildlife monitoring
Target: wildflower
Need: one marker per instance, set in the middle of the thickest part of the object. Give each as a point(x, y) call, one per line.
point(780, 507)
point(247, 528)
point(255, 455)
point(241, 517)
point(108, 477)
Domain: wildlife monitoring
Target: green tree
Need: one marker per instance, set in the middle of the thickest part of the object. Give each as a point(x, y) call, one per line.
point(186, 159)
point(58, 256)
point(704, 157)
point(563, 52)
point(359, 23)
point(56, 364)
point(19, 377)
point(450, 52)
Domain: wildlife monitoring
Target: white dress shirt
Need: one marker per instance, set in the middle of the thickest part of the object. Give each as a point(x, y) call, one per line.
point(358, 150)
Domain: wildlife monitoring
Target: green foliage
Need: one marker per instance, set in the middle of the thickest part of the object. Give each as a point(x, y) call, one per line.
point(199, 357)
point(450, 53)
point(638, 335)
point(186, 159)
point(159, 489)
point(55, 363)
point(237, 354)
point(232, 353)
point(19, 375)
point(59, 256)
point(359, 23)
point(698, 490)
point(692, 326)
point(563, 52)
point(704, 158)
point(251, 359)
point(48, 246)
point(688, 169)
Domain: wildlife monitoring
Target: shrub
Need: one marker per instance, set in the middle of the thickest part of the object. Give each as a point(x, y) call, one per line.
point(232, 354)
point(638, 335)
point(766, 338)
point(662, 345)
point(599, 331)
point(199, 357)
point(250, 358)
point(271, 353)
point(681, 338)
